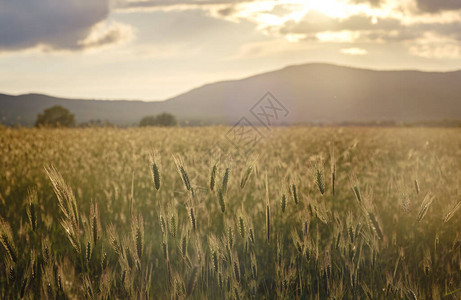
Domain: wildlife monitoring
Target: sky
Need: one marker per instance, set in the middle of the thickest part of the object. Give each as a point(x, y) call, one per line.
point(156, 49)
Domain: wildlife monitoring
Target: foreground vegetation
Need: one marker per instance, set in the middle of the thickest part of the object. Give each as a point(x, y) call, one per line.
point(310, 213)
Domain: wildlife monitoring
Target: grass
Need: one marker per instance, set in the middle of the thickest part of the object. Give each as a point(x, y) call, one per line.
point(150, 213)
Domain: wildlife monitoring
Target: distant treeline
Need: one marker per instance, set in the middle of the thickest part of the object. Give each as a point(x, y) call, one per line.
point(434, 123)
point(58, 116)
point(197, 123)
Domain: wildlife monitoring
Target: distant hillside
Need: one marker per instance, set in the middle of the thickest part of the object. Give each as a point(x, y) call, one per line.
point(319, 93)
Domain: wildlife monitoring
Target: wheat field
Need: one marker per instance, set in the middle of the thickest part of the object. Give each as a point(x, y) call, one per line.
point(154, 213)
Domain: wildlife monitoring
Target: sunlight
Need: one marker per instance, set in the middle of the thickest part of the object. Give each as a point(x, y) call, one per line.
point(331, 8)
point(343, 36)
point(275, 13)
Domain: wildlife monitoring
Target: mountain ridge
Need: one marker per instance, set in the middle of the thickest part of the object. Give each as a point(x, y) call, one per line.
point(314, 92)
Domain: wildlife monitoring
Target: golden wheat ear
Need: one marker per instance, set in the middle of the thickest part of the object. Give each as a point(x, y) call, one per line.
point(68, 206)
point(155, 172)
point(6, 238)
point(452, 211)
point(182, 172)
point(213, 177)
point(32, 207)
point(319, 180)
point(245, 176)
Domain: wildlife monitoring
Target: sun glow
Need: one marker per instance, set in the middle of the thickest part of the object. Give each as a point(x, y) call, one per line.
point(271, 13)
point(298, 8)
point(331, 8)
point(344, 36)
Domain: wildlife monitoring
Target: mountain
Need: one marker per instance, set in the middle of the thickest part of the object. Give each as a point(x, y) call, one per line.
point(320, 93)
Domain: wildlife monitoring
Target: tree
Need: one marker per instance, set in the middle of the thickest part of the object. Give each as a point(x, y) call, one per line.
point(163, 119)
point(148, 121)
point(55, 116)
point(166, 119)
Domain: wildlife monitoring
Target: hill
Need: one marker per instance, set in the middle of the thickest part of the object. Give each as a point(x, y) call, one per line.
point(319, 93)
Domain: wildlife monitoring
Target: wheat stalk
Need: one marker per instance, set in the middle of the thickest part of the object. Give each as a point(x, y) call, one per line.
point(6, 238)
point(155, 171)
point(245, 177)
point(425, 206)
point(192, 279)
point(182, 172)
point(225, 180)
point(222, 202)
point(452, 212)
point(213, 177)
point(294, 194)
point(320, 181)
point(68, 205)
point(268, 213)
point(32, 208)
point(283, 202)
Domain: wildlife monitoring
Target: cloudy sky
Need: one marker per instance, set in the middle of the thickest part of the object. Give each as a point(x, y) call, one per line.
point(155, 49)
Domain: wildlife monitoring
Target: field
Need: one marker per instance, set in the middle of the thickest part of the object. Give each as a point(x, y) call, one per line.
point(309, 213)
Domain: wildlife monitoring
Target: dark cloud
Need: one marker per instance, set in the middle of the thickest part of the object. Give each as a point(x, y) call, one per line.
point(373, 3)
point(55, 24)
point(430, 6)
point(225, 12)
point(433, 6)
point(123, 4)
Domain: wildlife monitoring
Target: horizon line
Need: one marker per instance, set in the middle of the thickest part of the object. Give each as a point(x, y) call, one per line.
point(231, 80)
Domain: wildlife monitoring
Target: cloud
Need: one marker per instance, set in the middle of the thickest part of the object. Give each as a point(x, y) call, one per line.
point(374, 3)
point(131, 5)
point(330, 21)
point(56, 25)
point(80, 25)
point(295, 37)
point(106, 33)
point(354, 51)
point(269, 48)
point(432, 6)
point(343, 36)
point(314, 22)
point(432, 45)
point(369, 28)
point(438, 5)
